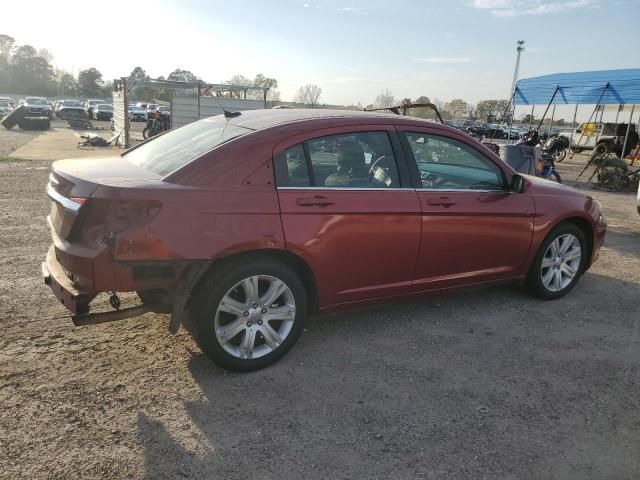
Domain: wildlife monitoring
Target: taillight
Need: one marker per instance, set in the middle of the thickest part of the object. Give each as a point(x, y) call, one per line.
point(106, 219)
point(78, 200)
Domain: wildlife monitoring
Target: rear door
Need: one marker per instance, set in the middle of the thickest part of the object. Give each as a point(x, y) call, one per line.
point(349, 210)
point(474, 230)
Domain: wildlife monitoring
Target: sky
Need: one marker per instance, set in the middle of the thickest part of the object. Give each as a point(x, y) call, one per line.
point(352, 49)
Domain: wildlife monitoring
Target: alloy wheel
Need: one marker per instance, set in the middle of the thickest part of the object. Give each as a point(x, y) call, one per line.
point(255, 317)
point(561, 263)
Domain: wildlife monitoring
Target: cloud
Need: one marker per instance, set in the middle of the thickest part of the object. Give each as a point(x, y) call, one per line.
point(353, 11)
point(516, 8)
point(445, 59)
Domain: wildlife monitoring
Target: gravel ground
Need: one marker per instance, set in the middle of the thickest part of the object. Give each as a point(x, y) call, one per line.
point(13, 139)
point(487, 384)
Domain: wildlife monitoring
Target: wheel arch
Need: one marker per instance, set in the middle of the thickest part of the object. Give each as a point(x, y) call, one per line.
point(295, 262)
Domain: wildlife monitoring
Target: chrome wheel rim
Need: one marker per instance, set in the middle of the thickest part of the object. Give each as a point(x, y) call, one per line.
point(561, 263)
point(255, 317)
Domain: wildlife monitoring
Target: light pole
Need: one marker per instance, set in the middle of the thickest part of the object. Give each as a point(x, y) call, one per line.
point(512, 103)
point(519, 49)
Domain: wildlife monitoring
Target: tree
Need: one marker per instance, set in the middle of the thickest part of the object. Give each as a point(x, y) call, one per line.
point(6, 44)
point(46, 54)
point(266, 82)
point(90, 82)
point(68, 85)
point(139, 73)
point(385, 99)
point(490, 109)
point(239, 80)
point(179, 75)
point(457, 108)
point(422, 112)
point(308, 95)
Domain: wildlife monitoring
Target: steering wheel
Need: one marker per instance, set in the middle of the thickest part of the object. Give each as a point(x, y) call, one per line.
point(374, 170)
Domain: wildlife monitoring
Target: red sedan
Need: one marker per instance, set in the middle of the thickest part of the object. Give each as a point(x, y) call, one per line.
point(252, 223)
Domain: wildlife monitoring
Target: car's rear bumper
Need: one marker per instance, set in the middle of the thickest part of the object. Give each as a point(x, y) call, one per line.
point(76, 273)
point(62, 286)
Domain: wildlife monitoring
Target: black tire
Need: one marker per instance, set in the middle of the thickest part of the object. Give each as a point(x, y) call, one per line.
point(534, 283)
point(145, 133)
point(560, 155)
point(217, 284)
point(556, 175)
point(602, 149)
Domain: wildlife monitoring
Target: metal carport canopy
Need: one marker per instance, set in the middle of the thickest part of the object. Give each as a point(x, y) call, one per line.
point(581, 88)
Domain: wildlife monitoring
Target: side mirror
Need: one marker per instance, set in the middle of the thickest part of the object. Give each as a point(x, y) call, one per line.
point(517, 183)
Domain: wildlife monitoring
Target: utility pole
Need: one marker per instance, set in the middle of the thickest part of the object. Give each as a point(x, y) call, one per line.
point(519, 49)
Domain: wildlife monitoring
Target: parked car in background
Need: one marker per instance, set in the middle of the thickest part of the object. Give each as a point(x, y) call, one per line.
point(164, 110)
point(4, 108)
point(90, 104)
point(137, 114)
point(258, 221)
point(103, 111)
point(592, 134)
point(151, 108)
point(11, 101)
point(37, 107)
point(68, 108)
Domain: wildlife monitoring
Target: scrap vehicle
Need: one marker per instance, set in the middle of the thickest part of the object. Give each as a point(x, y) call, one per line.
point(70, 108)
point(103, 111)
point(248, 222)
point(37, 107)
point(5, 108)
point(33, 113)
point(90, 104)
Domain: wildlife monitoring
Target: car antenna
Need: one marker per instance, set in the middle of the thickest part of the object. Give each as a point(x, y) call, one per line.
point(228, 114)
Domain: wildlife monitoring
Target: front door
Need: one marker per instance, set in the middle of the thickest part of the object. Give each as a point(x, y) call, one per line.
point(474, 230)
point(347, 212)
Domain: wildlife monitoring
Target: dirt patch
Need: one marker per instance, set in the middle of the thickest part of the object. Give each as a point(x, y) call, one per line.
point(485, 384)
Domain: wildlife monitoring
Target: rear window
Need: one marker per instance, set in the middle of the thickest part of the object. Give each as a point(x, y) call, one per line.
point(174, 149)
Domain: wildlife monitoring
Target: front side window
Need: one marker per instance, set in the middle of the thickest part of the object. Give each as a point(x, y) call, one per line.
point(447, 164)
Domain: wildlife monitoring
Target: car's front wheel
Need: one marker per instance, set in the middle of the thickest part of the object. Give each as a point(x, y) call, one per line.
point(249, 315)
point(559, 263)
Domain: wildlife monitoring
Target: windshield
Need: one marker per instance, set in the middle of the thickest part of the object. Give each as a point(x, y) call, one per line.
point(94, 102)
point(105, 106)
point(4, 104)
point(72, 104)
point(36, 101)
point(176, 148)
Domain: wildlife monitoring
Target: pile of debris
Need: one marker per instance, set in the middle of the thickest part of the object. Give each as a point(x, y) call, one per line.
point(78, 121)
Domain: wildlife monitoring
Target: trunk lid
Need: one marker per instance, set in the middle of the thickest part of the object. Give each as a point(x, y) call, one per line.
point(72, 182)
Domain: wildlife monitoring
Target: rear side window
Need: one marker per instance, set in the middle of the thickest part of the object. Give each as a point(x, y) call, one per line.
point(350, 160)
point(292, 169)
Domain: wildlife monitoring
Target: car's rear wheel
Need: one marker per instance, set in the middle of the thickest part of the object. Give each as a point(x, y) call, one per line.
point(248, 316)
point(559, 263)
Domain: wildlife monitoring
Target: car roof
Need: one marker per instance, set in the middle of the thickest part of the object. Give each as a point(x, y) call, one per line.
point(262, 119)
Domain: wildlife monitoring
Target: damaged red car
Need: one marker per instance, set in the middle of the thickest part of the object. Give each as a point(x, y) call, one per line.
point(252, 223)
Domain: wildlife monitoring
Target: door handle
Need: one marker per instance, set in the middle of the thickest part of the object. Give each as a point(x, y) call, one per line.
point(317, 201)
point(442, 201)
